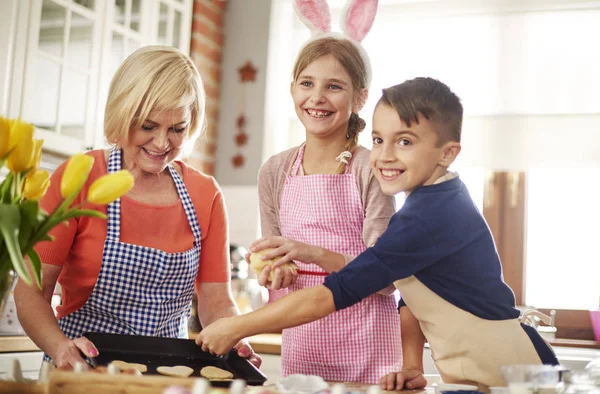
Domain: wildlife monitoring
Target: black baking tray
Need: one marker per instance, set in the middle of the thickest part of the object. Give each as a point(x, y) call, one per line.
point(155, 352)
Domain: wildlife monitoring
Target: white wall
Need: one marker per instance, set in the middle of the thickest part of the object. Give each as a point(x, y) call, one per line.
point(246, 39)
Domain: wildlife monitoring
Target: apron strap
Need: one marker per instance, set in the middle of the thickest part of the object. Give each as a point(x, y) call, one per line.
point(188, 206)
point(113, 210)
point(298, 161)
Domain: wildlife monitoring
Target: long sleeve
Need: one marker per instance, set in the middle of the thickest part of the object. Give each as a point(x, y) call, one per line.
point(404, 249)
point(268, 197)
point(379, 208)
point(214, 257)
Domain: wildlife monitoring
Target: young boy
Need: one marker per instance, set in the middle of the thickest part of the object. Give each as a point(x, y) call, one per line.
point(437, 250)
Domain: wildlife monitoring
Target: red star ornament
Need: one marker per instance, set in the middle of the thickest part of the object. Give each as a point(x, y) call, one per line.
point(238, 160)
point(241, 121)
point(241, 139)
point(247, 72)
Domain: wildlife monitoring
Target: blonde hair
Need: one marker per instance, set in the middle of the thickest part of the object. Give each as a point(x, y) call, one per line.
point(348, 55)
point(153, 78)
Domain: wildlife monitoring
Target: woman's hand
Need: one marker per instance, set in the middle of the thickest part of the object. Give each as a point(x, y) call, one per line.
point(219, 337)
point(286, 250)
point(410, 379)
point(67, 353)
point(244, 350)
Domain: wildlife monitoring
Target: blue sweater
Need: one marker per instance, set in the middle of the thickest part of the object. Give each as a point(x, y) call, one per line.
point(439, 236)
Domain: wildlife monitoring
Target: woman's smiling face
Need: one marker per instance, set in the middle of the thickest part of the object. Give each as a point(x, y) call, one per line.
point(158, 141)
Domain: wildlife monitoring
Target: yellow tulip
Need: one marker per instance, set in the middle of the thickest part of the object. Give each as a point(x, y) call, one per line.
point(36, 185)
point(77, 171)
point(22, 139)
point(5, 132)
point(36, 159)
point(108, 188)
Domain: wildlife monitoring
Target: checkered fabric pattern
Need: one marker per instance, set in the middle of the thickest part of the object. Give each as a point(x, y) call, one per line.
point(140, 290)
point(357, 344)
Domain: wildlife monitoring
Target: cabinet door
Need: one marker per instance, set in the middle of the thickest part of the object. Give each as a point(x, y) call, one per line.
point(173, 23)
point(61, 71)
point(131, 24)
point(62, 56)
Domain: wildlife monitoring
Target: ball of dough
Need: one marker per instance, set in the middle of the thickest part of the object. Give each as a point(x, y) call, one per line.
point(257, 264)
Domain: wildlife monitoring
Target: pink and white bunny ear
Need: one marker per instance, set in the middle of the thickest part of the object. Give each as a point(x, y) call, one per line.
point(314, 14)
point(358, 17)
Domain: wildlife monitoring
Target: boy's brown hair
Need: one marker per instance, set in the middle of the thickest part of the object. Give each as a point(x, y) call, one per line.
point(433, 100)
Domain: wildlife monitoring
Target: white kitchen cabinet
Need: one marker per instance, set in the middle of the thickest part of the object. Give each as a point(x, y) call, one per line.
point(271, 367)
point(30, 363)
point(61, 55)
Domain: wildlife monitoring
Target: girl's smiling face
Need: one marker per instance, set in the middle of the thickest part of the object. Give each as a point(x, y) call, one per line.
point(324, 97)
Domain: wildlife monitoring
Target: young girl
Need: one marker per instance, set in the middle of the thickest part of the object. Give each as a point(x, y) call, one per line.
point(323, 198)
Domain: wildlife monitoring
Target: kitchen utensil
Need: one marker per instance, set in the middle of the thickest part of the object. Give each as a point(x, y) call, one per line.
point(536, 378)
point(155, 352)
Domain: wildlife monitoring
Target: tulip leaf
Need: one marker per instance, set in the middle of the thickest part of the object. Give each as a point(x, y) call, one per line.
point(71, 213)
point(29, 221)
point(9, 227)
point(5, 188)
point(47, 237)
point(36, 264)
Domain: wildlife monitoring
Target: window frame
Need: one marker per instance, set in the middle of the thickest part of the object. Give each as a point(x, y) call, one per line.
point(505, 210)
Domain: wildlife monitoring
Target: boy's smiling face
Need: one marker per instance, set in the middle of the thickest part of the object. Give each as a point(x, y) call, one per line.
point(404, 158)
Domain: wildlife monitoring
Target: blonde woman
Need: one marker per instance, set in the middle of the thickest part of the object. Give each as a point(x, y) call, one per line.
point(135, 273)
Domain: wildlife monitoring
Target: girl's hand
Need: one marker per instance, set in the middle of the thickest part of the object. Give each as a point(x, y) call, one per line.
point(219, 337)
point(282, 277)
point(286, 250)
point(66, 355)
point(410, 379)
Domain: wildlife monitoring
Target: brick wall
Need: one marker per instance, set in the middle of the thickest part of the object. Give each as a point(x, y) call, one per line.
point(206, 51)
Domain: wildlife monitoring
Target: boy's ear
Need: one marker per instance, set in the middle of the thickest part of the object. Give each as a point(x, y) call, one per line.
point(360, 100)
point(450, 150)
point(292, 87)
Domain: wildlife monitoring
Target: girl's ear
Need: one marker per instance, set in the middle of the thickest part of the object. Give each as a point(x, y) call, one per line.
point(358, 17)
point(314, 14)
point(360, 99)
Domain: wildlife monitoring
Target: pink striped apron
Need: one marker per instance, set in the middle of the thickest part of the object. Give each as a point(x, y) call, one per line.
point(357, 344)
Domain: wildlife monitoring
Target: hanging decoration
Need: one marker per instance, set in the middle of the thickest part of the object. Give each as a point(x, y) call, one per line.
point(247, 74)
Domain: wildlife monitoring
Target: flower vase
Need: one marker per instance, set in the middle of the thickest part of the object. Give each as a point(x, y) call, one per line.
point(8, 279)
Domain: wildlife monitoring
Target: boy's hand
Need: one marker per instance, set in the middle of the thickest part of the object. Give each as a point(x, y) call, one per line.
point(219, 337)
point(410, 379)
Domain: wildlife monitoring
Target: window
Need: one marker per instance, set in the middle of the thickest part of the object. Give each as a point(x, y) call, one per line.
point(530, 158)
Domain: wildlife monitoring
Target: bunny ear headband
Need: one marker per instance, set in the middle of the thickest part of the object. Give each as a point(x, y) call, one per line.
point(357, 19)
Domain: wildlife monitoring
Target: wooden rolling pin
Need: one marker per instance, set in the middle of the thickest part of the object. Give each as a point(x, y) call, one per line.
point(22, 388)
point(63, 382)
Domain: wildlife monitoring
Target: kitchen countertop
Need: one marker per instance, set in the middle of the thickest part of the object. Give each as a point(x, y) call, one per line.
point(263, 343)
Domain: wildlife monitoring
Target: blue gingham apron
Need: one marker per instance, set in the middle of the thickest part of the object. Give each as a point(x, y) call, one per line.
point(140, 290)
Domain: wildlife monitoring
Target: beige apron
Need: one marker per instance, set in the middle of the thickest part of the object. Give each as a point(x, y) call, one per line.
point(465, 348)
